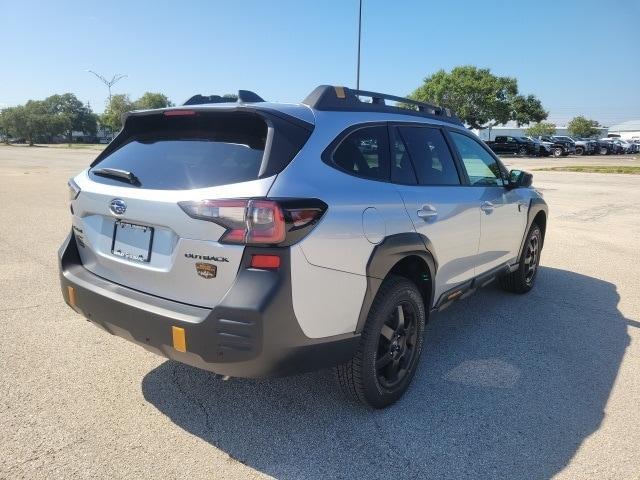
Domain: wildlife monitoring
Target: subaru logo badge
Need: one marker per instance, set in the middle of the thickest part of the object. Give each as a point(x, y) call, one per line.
point(117, 206)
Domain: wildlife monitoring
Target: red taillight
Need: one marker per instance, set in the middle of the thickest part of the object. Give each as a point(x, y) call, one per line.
point(179, 113)
point(258, 221)
point(266, 222)
point(265, 261)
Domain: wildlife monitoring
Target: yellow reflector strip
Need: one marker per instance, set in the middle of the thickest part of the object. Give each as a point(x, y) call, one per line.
point(72, 296)
point(340, 92)
point(179, 340)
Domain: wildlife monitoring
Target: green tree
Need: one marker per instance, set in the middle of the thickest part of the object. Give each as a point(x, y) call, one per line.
point(112, 117)
point(151, 100)
point(583, 127)
point(78, 116)
point(479, 98)
point(541, 128)
point(33, 121)
point(4, 129)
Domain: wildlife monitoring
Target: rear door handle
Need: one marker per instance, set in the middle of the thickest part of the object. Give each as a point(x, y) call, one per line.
point(427, 212)
point(487, 207)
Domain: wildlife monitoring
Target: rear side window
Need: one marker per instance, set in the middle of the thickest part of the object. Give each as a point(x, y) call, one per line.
point(431, 156)
point(401, 168)
point(364, 153)
point(482, 168)
point(185, 152)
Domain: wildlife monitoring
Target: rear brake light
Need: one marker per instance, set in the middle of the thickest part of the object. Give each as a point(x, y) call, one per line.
point(259, 221)
point(179, 113)
point(265, 261)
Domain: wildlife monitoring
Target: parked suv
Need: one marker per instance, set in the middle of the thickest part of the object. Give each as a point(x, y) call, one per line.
point(256, 239)
point(559, 147)
point(582, 146)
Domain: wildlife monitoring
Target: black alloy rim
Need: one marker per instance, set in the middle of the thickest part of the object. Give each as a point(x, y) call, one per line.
point(397, 345)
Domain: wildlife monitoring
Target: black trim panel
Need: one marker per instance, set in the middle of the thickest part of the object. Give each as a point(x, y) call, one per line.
point(252, 332)
point(467, 288)
point(536, 206)
point(385, 256)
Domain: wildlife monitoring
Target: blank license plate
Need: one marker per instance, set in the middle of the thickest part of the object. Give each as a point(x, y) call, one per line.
point(132, 241)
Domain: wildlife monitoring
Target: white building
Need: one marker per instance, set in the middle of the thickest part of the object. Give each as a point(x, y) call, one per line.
point(626, 130)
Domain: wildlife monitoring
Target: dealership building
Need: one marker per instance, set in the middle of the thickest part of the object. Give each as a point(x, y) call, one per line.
point(626, 130)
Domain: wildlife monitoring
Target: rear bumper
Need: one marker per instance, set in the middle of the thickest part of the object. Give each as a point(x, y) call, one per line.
point(253, 332)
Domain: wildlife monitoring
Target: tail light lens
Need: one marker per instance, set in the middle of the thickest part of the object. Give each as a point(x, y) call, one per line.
point(259, 221)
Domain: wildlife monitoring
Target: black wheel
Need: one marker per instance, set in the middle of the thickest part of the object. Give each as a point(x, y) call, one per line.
point(522, 151)
point(523, 279)
point(603, 151)
point(390, 346)
point(579, 151)
point(557, 152)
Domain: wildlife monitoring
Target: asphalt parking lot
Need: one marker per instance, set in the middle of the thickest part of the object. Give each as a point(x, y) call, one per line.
point(536, 386)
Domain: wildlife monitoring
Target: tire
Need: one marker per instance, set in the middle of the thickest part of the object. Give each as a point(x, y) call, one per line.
point(579, 151)
point(557, 152)
point(522, 151)
point(390, 346)
point(603, 151)
point(523, 279)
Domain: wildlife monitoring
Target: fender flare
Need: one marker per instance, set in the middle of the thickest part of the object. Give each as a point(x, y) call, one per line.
point(385, 256)
point(536, 206)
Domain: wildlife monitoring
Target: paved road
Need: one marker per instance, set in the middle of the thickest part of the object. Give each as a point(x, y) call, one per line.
point(509, 386)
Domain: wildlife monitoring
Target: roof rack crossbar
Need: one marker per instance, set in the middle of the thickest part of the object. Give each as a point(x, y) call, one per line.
point(330, 98)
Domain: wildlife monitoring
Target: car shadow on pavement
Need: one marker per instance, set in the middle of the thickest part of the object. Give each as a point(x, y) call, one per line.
point(508, 387)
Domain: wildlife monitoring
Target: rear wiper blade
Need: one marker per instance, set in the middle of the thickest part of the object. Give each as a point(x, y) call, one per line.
point(117, 174)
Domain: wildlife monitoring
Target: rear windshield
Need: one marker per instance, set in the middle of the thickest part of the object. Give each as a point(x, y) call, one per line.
point(185, 152)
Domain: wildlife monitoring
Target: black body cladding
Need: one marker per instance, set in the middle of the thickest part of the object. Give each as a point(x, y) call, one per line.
point(253, 332)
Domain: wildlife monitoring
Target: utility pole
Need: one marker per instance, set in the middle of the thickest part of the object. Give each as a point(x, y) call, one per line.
point(359, 36)
point(109, 83)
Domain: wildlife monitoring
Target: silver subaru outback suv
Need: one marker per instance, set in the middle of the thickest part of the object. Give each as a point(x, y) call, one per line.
point(256, 239)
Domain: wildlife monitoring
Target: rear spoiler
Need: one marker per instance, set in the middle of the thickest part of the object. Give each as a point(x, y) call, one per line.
point(244, 96)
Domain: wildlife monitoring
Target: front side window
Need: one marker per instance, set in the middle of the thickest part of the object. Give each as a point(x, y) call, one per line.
point(431, 156)
point(364, 153)
point(481, 167)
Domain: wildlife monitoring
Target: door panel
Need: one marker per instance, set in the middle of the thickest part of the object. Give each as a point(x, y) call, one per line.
point(503, 215)
point(440, 207)
point(450, 219)
point(502, 212)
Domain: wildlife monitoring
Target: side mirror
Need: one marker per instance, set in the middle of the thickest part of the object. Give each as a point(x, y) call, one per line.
point(520, 179)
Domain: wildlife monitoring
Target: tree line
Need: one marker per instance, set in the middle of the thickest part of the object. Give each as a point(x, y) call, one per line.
point(579, 126)
point(478, 97)
point(483, 100)
point(61, 115)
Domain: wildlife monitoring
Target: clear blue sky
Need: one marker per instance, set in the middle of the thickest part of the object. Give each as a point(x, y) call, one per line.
point(578, 57)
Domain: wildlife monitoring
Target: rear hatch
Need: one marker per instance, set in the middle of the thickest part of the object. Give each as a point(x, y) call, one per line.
point(128, 224)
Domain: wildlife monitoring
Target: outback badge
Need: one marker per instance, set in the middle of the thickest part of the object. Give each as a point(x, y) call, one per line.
point(206, 270)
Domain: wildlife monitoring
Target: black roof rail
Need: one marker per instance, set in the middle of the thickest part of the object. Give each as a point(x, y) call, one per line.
point(244, 96)
point(330, 98)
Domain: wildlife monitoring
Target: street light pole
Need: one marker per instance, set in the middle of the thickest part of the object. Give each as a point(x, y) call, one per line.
point(109, 83)
point(359, 36)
